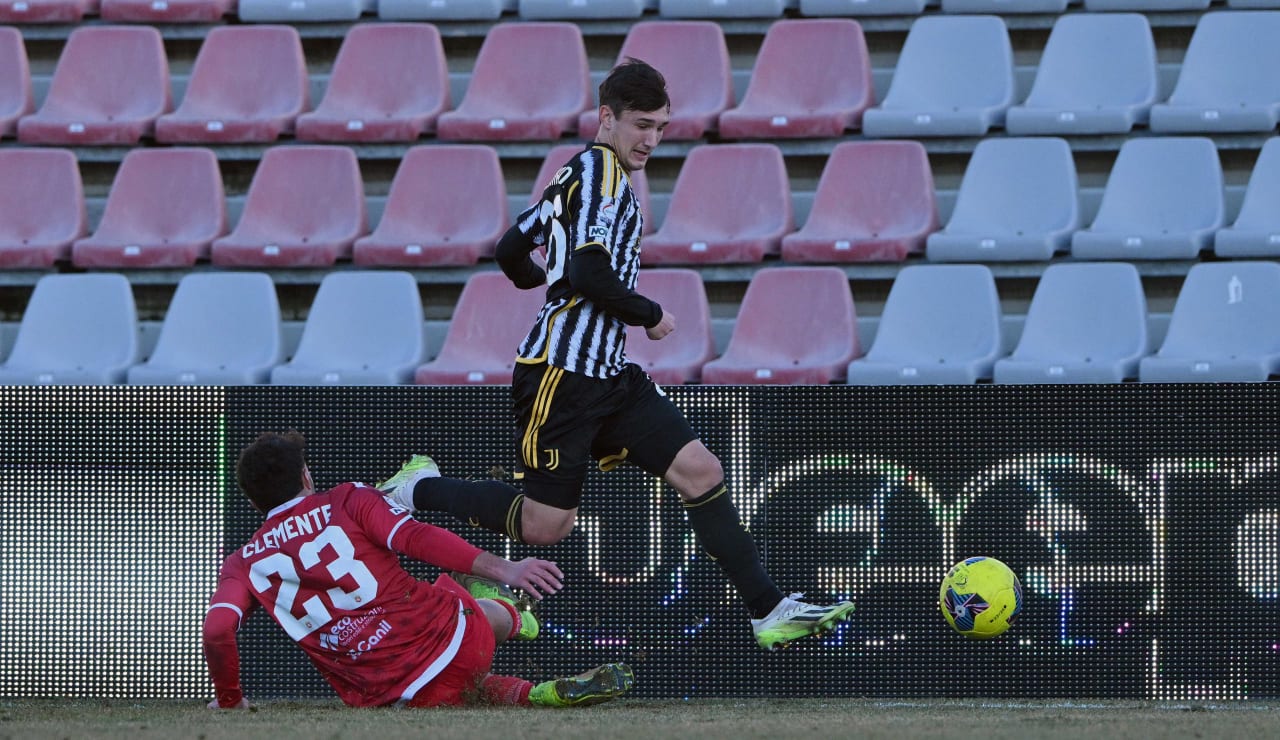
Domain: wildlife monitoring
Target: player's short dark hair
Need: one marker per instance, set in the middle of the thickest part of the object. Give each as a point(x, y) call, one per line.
point(634, 85)
point(269, 470)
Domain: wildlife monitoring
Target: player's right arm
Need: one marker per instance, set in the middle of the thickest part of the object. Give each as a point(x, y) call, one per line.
point(515, 248)
point(229, 605)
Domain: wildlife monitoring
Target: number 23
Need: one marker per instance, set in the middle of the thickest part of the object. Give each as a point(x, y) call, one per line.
point(316, 614)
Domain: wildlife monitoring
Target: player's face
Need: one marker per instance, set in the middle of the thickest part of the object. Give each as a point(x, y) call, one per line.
point(634, 134)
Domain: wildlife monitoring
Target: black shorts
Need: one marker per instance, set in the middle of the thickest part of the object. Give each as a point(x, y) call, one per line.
point(566, 420)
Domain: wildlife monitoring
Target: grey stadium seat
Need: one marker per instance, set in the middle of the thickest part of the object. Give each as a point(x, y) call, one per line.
point(814, 8)
point(1256, 231)
point(940, 325)
point(1227, 81)
point(1018, 201)
point(1224, 326)
point(364, 328)
point(221, 328)
point(723, 8)
point(301, 11)
point(1087, 323)
point(76, 330)
point(1098, 75)
point(443, 10)
point(580, 9)
point(954, 77)
point(1163, 200)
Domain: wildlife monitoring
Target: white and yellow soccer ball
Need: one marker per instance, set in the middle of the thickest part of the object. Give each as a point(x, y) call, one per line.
point(980, 597)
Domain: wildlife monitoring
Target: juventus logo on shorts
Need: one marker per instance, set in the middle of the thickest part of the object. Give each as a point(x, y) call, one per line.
point(553, 459)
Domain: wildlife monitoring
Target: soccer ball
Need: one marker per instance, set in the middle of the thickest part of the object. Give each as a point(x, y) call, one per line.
point(980, 597)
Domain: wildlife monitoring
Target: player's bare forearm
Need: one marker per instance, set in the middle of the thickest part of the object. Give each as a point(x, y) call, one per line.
point(538, 577)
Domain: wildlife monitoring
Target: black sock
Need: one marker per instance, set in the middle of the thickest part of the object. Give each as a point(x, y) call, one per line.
point(491, 504)
point(716, 524)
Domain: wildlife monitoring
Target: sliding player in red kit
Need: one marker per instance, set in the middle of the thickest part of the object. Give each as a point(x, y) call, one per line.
point(325, 567)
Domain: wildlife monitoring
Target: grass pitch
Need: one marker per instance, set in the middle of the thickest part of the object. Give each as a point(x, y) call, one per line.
point(738, 719)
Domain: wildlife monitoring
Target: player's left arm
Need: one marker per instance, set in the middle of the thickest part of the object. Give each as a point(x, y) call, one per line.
point(229, 605)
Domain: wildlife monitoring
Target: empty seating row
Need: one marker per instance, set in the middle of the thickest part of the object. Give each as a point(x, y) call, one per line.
point(210, 11)
point(531, 81)
point(941, 324)
point(1018, 201)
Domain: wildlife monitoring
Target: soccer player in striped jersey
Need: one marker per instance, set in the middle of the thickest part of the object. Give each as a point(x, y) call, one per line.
point(325, 566)
point(576, 396)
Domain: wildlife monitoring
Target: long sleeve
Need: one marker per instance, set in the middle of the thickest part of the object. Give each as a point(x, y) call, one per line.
point(228, 606)
point(591, 275)
point(434, 545)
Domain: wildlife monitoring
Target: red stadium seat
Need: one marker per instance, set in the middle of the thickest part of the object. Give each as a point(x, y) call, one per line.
point(530, 82)
point(811, 78)
point(390, 82)
point(16, 99)
point(166, 11)
point(678, 357)
point(560, 154)
point(489, 322)
point(731, 203)
point(694, 58)
point(248, 84)
point(164, 210)
point(305, 208)
point(110, 86)
point(875, 203)
point(796, 326)
point(447, 206)
point(42, 212)
point(46, 11)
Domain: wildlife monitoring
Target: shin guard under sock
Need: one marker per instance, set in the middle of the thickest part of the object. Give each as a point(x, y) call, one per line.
point(491, 504)
point(715, 522)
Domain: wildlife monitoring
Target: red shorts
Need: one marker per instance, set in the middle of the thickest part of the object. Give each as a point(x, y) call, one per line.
point(459, 682)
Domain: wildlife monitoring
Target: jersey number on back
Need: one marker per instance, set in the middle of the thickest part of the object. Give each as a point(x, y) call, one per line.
point(316, 614)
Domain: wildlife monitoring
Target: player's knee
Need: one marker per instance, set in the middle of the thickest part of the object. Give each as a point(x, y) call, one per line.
point(545, 525)
point(545, 534)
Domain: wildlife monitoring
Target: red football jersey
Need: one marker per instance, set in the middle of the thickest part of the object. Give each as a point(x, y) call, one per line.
point(325, 567)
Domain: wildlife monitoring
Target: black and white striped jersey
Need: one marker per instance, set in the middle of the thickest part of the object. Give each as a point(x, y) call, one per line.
point(588, 205)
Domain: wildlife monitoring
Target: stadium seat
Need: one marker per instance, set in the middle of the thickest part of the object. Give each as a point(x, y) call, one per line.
point(76, 330)
point(811, 78)
point(1018, 201)
point(694, 58)
point(940, 325)
point(560, 154)
point(1087, 323)
point(709, 221)
point(300, 11)
point(530, 82)
point(1223, 326)
point(443, 10)
point(447, 206)
point(305, 208)
point(954, 77)
point(46, 11)
point(1163, 200)
point(165, 11)
point(165, 208)
point(248, 84)
point(1098, 75)
point(42, 212)
point(490, 320)
point(1144, 6)
point(875, 202)
point(1004, 7)
point(1226, 82)
point(795, 326)
point(390, 82)
point(1256, 230)
point(721, 8)
point(364, 328)
point(678, 357)
point(580, 9)
point(816, 8)
point(221, 328)
point(110, 86)
point(16, 99)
